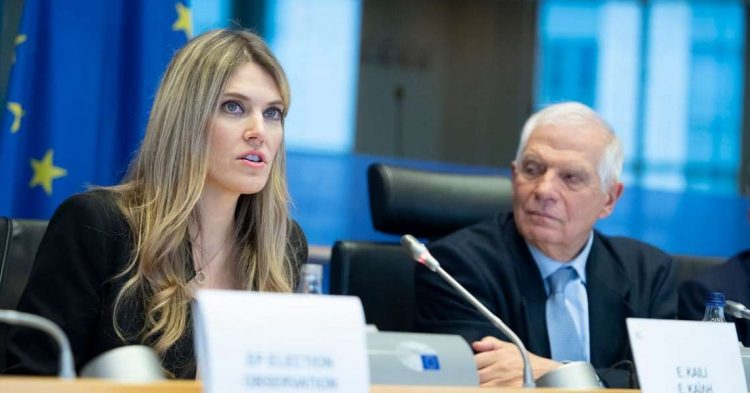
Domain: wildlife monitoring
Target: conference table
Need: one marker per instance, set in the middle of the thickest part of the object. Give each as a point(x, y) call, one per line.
point(46, 384)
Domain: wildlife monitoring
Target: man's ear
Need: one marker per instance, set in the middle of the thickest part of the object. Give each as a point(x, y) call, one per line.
point(612, 195)
point(513, 168)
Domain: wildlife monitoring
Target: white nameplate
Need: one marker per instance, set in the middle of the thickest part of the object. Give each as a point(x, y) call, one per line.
point(686, 356)
point(263, 342)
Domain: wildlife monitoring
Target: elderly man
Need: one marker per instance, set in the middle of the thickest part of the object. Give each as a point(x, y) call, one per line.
point(563, 287)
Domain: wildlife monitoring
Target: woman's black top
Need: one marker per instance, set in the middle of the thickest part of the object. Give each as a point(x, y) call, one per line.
point(87, 243)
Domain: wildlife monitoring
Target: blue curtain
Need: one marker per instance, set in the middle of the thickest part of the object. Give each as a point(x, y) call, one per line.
point(83, 79)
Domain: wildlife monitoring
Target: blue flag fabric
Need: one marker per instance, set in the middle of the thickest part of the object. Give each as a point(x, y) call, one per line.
point(81, 85)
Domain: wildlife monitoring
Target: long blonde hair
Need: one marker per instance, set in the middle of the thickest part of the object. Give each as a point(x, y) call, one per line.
point(164, 182)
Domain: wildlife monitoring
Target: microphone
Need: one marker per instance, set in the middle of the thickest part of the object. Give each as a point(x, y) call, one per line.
point(737, 310)
point(129, 363)
point(419, 252)
point(11, 317)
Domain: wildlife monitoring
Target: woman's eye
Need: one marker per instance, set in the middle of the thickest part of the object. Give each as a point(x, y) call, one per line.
point(232, 107)
point(272, 113)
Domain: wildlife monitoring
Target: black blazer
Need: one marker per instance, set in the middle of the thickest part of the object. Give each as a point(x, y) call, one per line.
point(732, 278)
point(87, 243)
point(625, 278)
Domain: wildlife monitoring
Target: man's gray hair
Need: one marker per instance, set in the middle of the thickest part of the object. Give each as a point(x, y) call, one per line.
point(577, 114)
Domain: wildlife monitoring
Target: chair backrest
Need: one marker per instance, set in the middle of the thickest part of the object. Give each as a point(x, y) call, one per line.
point(430, 204)
point(426, 204)
point(19, 240)
point(691, 265)
point(381, 275)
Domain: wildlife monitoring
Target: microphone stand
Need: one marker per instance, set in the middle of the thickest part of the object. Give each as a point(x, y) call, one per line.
point(419, 252)
point(66, 371)
point(528, 375)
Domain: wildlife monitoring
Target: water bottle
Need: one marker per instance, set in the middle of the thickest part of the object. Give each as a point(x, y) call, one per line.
point(311, 279)
point(715, 303)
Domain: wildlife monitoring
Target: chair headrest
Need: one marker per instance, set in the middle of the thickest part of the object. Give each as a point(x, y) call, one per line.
point(431, 204)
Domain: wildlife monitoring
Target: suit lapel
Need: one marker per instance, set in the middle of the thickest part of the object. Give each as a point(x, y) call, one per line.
point(607, 287)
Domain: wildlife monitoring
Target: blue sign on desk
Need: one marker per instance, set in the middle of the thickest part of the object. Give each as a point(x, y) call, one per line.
point(430, 362)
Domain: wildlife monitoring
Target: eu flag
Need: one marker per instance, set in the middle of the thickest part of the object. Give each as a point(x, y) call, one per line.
point(83, 79)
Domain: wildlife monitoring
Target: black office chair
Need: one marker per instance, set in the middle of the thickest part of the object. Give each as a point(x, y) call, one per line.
point(431, 204)
point(381, 275)
point(19, 240)
point(691, 265)
point(423, 203)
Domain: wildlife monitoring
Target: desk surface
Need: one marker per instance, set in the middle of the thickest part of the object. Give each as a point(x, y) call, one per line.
point(45, 385)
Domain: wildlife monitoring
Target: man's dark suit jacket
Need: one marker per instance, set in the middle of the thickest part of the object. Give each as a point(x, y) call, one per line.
point(625, 278)
point(732, 278)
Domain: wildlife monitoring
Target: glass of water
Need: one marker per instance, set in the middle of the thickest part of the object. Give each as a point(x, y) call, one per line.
point(311, 279)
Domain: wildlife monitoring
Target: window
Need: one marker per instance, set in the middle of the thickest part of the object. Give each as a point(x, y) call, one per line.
point(666, 74)
point(317, 43)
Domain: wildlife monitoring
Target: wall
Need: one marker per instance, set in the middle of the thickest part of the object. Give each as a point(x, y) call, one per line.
point(445, 80)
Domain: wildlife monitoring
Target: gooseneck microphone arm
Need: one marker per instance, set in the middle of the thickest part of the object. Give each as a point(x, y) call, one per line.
point(67, 371)
point(737, 310)
point(419, 252)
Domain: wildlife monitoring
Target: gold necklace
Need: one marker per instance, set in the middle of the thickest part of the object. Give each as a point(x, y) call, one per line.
point(200, 275)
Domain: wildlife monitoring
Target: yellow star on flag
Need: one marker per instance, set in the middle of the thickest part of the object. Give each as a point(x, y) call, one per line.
point(184, 20)
point(20, 39)
point(17, 110)
point(45, 172)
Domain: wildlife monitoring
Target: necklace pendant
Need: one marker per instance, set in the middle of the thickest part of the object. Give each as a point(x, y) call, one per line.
point(200, 277)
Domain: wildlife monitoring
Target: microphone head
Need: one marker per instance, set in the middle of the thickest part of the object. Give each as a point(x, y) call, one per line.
point(413, 246)
point(418, 252)
point(736, 305)
point(130, 363)
point(737, 310)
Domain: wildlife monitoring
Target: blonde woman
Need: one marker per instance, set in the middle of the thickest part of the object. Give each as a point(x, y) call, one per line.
point(204, 205)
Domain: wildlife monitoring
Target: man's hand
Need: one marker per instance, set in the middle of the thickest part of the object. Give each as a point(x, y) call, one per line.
point(500, 363)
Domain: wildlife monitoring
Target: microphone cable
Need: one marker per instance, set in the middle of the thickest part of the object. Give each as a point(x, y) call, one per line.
point(629, 367)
